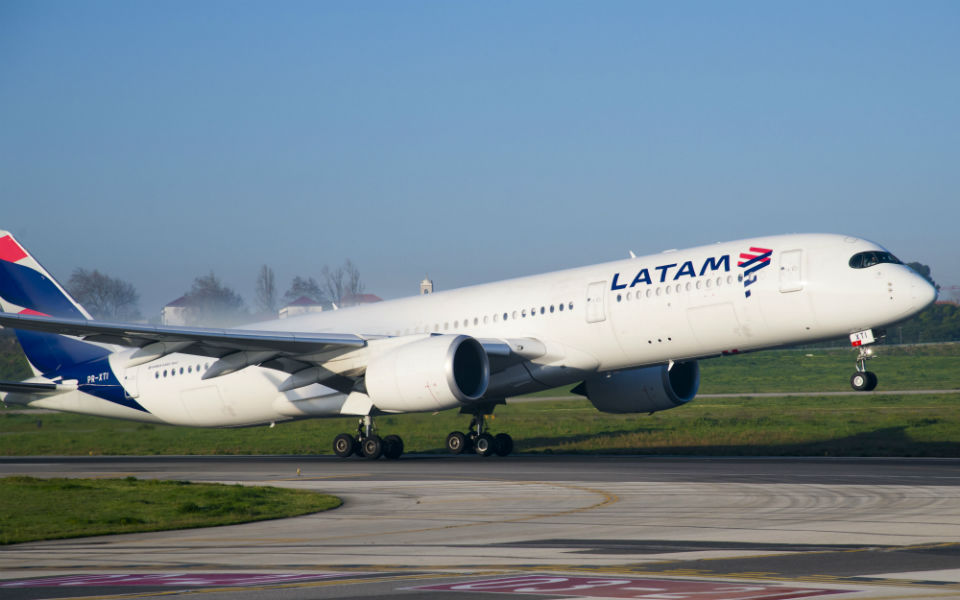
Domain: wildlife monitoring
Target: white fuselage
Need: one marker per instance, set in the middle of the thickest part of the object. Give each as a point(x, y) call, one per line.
point(640, 311)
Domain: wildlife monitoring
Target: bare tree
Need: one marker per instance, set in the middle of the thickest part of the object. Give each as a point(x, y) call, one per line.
point(342, 283)
point(103, 296)
point(209, 302)
point(307, 287)
point(266, 290)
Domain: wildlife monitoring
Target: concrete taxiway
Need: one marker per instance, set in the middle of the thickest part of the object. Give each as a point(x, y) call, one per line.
point(528, 526)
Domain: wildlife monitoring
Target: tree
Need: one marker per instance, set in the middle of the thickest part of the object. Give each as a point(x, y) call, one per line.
point(209, 302)
point(304, 287)
point(923, 271)
point(266, 290)
point(342, 283)
point(104, 297)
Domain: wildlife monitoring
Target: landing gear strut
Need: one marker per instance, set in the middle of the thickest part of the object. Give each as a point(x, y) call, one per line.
point(478, 440)
point(863, 380)
point(367, 444)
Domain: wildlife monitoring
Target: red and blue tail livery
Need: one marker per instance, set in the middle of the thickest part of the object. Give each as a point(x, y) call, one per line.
point(26, 288)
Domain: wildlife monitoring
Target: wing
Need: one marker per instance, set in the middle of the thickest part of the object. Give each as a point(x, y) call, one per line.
point(308, 357)
point(235, 348)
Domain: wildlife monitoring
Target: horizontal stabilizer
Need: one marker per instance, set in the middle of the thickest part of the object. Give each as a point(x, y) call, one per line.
point(37, 389)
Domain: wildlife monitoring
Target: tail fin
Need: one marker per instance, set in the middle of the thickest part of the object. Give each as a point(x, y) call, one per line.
point(27, 288)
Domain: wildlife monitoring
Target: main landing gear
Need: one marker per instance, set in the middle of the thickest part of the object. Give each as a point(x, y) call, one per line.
point(863, 380)
point(478, 440)
point(367, 444)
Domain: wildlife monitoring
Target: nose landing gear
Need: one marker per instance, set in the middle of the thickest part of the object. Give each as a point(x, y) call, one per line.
point(367, 444)
point(863, 380)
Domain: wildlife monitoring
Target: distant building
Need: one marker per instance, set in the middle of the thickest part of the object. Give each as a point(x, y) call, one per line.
point(300, 306)
point(357, 299)
point(175, 313)
point(426, 286)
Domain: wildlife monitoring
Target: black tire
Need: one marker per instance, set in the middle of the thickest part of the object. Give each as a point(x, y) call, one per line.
point(484, 444)
point(372, 447)
point(503, 444)
point(859, 381)
point(456, 442)
point(871, 381)
point(392, 447)
point(344, 445)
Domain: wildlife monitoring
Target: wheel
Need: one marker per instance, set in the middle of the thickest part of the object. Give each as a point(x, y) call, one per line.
point(502, 444)
point(372, 447)
point(344, 444)
point(871, 381)
point(484, 444)
point(456, 442)
point(392, 446)
point(859, 381)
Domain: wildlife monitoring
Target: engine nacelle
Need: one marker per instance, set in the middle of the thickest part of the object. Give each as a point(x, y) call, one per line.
point(435, 373)
point(648, 389)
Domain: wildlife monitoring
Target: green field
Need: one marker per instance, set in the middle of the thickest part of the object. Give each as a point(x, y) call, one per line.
point(43, 509)
point(887, 424)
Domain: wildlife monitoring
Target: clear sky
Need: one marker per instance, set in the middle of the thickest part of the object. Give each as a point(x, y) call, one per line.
point(471, 141)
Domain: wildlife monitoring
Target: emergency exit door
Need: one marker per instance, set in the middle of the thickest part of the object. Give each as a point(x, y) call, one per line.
point(595, 294)
point(791, 271)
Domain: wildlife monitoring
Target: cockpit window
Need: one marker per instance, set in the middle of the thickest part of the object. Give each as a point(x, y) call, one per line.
point(862, 260)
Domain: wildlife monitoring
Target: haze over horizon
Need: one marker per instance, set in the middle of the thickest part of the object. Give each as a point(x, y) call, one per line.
point(470, 141)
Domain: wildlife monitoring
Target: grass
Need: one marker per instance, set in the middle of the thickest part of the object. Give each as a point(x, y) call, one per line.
point(812, 425)
point(39, 509)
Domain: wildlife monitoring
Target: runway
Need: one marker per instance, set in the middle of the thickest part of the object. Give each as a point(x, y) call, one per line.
point(529, 527)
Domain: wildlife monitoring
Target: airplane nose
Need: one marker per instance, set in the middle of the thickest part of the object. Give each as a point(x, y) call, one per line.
point(922, 293)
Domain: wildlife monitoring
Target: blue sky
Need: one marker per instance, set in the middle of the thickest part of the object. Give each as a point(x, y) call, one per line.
point(157, 141)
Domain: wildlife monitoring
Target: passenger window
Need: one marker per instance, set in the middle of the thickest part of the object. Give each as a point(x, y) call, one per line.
point(570, 306)
point(542, 310)
point(551, 309)
point(619, 297)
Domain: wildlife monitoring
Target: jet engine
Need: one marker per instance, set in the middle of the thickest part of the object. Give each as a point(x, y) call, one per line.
point(435, 373)
point(647, 389)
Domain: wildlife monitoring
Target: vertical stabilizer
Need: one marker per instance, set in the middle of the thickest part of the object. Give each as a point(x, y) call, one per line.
point(27, 288)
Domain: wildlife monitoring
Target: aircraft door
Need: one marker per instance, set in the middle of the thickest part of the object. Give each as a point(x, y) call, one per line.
point(791, 271)
point(130, 380)
point(596, 292)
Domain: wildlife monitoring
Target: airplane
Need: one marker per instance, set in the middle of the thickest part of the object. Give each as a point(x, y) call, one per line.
point(628, 333)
